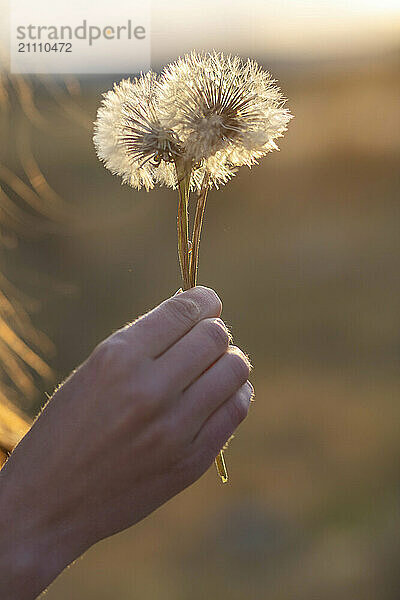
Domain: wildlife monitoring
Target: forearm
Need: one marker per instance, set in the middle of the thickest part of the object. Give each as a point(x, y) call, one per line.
point(38, 538)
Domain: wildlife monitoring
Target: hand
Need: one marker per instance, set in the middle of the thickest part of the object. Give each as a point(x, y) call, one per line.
point(139, 421)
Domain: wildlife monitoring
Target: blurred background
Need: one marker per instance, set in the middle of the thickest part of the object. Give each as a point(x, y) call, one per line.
point(304, 251)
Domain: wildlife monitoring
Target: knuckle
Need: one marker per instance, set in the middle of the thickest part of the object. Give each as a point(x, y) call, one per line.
point(216, 332)
point(184, 309)
point(211, 297)
point(108, 352)
point(238, 364)
point(239, 407)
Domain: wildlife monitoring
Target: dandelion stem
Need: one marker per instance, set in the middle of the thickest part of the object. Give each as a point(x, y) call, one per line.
point(183, 173)
point(197, 226)
point(189, 251)
point(194, 263)
point(221, 467)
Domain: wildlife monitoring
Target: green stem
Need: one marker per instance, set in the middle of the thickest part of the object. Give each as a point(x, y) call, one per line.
point(197, 227)
point(189, 264)
point(183, 174)
point(221, 467)
point(193, 268)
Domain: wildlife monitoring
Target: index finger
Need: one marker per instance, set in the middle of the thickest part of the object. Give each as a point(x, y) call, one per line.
point(163, 326)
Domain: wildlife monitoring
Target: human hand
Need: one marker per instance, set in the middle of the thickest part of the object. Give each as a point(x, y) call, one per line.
point(135, 424)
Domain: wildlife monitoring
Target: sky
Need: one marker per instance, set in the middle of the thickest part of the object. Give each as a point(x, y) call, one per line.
point(282, 29)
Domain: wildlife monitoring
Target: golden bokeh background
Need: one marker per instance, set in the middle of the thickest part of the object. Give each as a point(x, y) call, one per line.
point(304, 251)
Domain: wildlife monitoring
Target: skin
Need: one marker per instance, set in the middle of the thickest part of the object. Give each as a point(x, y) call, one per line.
point(140, 420)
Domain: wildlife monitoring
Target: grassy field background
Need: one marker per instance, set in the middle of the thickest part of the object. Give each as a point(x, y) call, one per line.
point(304, 252)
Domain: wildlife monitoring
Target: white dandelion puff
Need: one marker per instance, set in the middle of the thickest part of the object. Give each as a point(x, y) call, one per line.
point(129, 137)
point(227, 112)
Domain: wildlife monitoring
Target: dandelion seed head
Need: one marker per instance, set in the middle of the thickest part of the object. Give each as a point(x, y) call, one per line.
point(129, 137)
point(222, 107)
point(213, 111)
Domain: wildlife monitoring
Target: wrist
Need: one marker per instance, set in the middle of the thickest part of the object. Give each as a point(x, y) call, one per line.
point(39, 537)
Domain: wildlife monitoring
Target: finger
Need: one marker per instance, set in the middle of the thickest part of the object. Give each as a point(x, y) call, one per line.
point(186, 360)
point(221, 424)
point(167, 323)
point(212, 388)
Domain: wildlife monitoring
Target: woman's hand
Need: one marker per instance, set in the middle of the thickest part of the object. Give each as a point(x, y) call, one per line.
point(139, 421)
